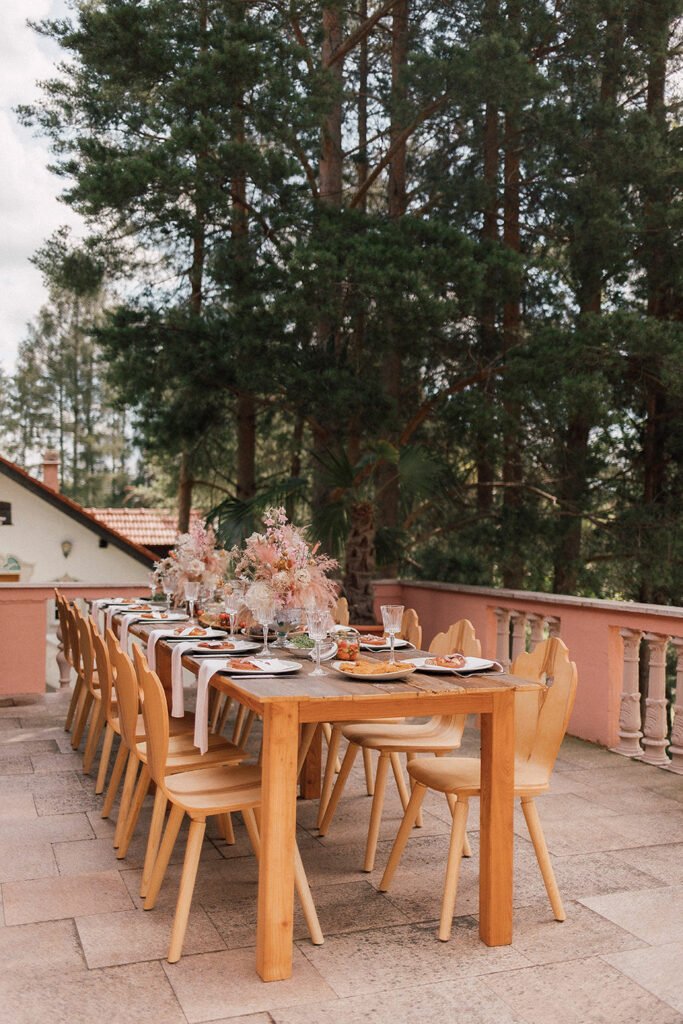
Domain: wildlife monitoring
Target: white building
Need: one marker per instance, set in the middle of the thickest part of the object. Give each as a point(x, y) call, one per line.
point(46, 537)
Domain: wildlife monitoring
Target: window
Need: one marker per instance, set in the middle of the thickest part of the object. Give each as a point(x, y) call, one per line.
point(5, 513)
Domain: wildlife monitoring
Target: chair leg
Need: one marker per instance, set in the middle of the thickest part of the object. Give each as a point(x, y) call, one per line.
point(141, 791)
point(193, 852)
point(82, 719)
point(403, 835)
point(246, 729)
point(419, 821)
point(226, 829)
point(104, 758)
point(126, 796)
point(333, 742)
point(307, 734)
point(453, 868)
point(328, 732)
point(239, 722)
point(400, 780)
point(367, 764)
point(117, 772)
point(175, 820)
point(376, 813)
point(227, 704)
point(96, 727)
point(251, 826)
point(466, 848)
point(533, 823)
point(73, 703)
point(306, 900)
point(347, 765)
point(154, 838)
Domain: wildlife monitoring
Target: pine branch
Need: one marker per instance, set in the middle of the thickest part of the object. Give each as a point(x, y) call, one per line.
point(359, 34)
point(427, 408)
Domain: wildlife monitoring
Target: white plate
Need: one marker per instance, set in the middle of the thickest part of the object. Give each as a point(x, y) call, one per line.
point(241, 647)
point(209, 633)
point(398, 643)
point(375, 677)
point(268, 666)
point(471, 665)
point(155, 620)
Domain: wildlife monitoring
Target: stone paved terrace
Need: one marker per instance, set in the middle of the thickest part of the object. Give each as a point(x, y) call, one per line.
point(75, 946)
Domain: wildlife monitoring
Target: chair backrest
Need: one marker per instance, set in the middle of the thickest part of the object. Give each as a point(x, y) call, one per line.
point(411, 630)
point(155, 714)
point(460, 638)
point(341, 612)
point(87, 650)
point(63, 624)
point(126, 691)
point(74, 642)
point(542, 716)
point(104, 669)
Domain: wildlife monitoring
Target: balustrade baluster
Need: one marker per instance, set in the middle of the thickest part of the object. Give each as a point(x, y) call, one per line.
point(503, 636)
point(553, 625)
point(536, 623)
point(676, 748)
point(518, 633)
point(655, 739)
point(629, 715)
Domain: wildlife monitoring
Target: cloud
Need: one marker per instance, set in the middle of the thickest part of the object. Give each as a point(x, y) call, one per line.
point(29, 208)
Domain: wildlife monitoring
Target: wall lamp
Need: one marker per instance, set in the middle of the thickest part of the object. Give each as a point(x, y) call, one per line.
point(66, 547)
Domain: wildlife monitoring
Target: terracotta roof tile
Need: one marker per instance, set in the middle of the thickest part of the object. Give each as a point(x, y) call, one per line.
point(151, 527)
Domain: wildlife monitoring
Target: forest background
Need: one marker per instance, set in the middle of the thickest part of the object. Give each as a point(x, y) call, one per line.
point(413, 268)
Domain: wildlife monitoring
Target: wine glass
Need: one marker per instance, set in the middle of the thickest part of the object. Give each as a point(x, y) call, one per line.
point(168, 586)
point(264, 607)
point(233, 599)
point(152, 581)
point(191, 593)
point(392, 614)
point(318, 622)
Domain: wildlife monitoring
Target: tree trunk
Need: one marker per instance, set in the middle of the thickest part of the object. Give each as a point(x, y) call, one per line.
point(389, 494)
point(185, 484)
point(512, 512)
point(359, 560)
point(246, 446)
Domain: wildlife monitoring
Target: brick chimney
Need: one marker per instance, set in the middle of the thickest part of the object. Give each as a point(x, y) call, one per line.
point(51, 469)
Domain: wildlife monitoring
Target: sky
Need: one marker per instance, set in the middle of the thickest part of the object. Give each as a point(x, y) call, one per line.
point(29, 208)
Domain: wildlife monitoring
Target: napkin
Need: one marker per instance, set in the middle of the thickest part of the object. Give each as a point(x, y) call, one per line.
point(126, 621)
point(201, 714)
point(180, 648)
point(157, 634)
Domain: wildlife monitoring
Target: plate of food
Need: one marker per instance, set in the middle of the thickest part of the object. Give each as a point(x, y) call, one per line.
point(194, 632)
point(371, 642)
point(374, 671)
point(219, 648)
point(256, 633)
point(144, 616)
point(299, 642)
point(265, 666)
point(454, 663)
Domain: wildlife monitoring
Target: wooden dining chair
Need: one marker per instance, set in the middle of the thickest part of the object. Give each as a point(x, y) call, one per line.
point(341, 612)
point(459, 638)
point(540, 726)
point(86, 680)
point(439, 735)
point(411, 630)
point(183, 755)
point(211, 792)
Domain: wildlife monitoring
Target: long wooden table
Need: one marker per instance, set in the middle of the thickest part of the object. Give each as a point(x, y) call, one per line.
point(286, 704)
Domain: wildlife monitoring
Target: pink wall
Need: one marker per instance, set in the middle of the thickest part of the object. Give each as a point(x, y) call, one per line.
point(23, 630)
point(590, 629)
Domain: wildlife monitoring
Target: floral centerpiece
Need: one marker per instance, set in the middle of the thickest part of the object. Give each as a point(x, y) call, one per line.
point(283, 567)
point(194, 558)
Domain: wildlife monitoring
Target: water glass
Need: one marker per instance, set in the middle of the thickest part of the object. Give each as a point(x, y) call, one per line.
point(233, 599)
point(318, 622)
point(392, 616)
point(191, 594)
point(168, 587)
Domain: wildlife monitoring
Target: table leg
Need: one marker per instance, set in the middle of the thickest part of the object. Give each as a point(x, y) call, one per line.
point(309, 782)
point(274, 931)
point(497, 805)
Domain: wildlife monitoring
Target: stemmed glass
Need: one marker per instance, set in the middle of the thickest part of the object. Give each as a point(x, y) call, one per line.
point(191, 595)
point(265, 609)
point(152, 581)
point(287, 620)
point(233, 599)
point(318, 622)
point(392, 614)
point(168, 586)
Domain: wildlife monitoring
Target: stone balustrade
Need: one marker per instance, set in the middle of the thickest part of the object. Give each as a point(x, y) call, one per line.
point(610, 641)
